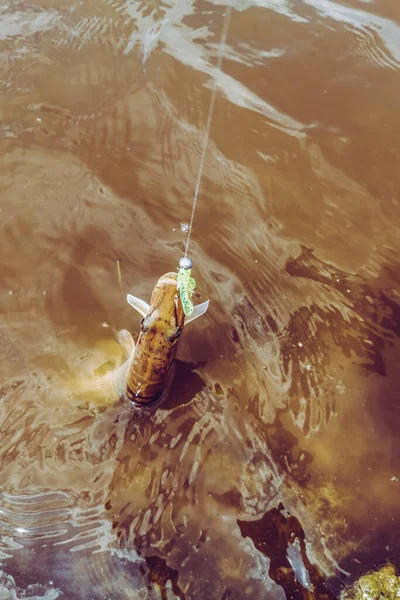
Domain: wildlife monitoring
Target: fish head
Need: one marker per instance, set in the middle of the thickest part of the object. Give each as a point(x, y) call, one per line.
point(166, 311)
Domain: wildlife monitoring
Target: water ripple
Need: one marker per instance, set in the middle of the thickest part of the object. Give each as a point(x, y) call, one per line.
point(370, 26)
point(285, 396)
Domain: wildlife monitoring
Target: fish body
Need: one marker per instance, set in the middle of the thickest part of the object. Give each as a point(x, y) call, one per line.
point(146, 376)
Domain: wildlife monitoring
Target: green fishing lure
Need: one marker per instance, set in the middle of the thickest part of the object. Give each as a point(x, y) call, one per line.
point(186, 287)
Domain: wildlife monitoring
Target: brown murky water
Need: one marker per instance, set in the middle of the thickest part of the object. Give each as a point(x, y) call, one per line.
point(273, 470)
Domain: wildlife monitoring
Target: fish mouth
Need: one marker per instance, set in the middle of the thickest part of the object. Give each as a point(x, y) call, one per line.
point(145, 407)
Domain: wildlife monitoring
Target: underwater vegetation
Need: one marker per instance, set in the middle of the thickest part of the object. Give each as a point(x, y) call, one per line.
point(383, 584)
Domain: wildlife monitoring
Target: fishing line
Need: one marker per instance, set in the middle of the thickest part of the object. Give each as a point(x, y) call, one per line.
point(222, 42)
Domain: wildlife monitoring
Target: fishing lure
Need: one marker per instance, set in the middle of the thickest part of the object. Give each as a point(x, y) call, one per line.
point(186, 285)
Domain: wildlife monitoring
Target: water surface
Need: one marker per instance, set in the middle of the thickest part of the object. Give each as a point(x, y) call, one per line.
point(272, 471)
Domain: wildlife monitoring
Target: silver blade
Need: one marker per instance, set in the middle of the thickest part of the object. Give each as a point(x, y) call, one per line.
point(198, 310)
point(140, 305)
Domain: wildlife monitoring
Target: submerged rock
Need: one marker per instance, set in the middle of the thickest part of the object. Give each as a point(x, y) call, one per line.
point(383, 584)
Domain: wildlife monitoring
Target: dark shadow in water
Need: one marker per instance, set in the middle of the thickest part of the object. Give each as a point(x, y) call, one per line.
point(160, 573)
point(185, 385)
point(272, 535)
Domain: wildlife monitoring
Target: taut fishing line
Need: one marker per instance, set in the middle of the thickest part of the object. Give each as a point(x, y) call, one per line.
point(185, 283)
point(224, 34)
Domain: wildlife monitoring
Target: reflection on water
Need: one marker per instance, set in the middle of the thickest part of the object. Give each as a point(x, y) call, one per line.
point(273, 470)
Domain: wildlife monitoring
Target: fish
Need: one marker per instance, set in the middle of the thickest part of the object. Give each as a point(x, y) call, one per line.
point(148, 369)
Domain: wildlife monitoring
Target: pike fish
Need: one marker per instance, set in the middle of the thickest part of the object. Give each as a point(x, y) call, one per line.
point(148, 369)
